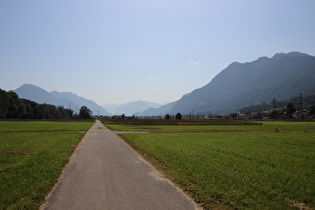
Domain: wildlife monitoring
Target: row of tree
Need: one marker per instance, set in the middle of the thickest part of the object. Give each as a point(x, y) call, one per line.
point(13, 107)
point(178, 116)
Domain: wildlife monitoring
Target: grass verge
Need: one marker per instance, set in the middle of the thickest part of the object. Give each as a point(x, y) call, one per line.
point(31, 159)
point(255, 167)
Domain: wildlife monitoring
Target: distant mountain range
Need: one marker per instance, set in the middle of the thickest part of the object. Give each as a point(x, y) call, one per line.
point(130, 108)
point(239, 85)
point(73, 101)
point(244, 84)
point(162, 110)
point(65, 99)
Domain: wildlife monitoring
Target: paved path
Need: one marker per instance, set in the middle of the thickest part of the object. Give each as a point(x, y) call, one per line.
point(105, 173)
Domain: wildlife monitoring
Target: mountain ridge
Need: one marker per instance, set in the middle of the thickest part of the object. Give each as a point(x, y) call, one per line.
point(282, 76)
point(65, 99)
point(131, 107)
point(233, 85)
point(241, 84)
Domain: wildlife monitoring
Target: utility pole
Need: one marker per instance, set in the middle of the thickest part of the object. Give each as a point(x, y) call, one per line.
point(239, 112)
point(300, 105)
point(70, 105)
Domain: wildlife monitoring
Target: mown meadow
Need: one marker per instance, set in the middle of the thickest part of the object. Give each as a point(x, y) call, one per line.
point(32, 156)
point(234, 166)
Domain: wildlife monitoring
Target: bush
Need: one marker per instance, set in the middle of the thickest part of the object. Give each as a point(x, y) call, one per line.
point(178, 116)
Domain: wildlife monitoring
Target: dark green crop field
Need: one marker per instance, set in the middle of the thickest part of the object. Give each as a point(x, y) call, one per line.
point(32, 156)
point(234, 166)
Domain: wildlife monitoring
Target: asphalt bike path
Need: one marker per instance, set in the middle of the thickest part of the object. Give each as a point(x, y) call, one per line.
point(106, 173)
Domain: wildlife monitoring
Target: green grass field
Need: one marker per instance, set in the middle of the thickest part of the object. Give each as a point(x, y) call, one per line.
point(234, 166)
point(32, 156)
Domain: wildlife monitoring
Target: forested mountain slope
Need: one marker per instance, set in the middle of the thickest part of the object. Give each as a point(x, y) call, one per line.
point(239, 85)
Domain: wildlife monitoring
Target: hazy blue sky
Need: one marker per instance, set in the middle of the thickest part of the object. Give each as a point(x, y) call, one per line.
point(115, 51)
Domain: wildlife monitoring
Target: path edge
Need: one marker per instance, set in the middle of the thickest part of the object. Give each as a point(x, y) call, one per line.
point(157, 174)
point(44, 205)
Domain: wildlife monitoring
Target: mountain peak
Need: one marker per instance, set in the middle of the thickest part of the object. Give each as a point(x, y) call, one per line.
point(294, 54)
point(34, 93)
point(242, 84)
point(31, 87)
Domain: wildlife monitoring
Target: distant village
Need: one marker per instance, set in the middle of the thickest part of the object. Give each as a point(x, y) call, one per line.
point(289, 112)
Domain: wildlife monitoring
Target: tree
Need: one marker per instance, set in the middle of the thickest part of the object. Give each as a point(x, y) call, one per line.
point(275, 114)
point(290, 110)
point(273, 102)
point(234, 115)
point(167, 117)
point(4, 103)
point(48, 111)
point(69, 113)
point(13, 107)
point(178, 116)
point(85, 113)
point(312, 110)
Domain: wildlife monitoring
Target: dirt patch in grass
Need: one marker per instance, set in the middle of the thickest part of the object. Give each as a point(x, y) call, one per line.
point(302, 206)
point(101, 128)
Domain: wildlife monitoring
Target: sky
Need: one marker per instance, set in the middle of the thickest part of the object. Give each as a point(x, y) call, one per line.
point(116, 51)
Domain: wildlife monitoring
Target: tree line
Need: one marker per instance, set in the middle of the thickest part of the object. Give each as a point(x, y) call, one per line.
point(13, 107)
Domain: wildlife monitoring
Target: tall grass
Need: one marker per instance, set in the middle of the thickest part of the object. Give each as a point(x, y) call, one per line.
point(32, 156)
point(267, 126)
point(22, 126)
point(254, 168)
